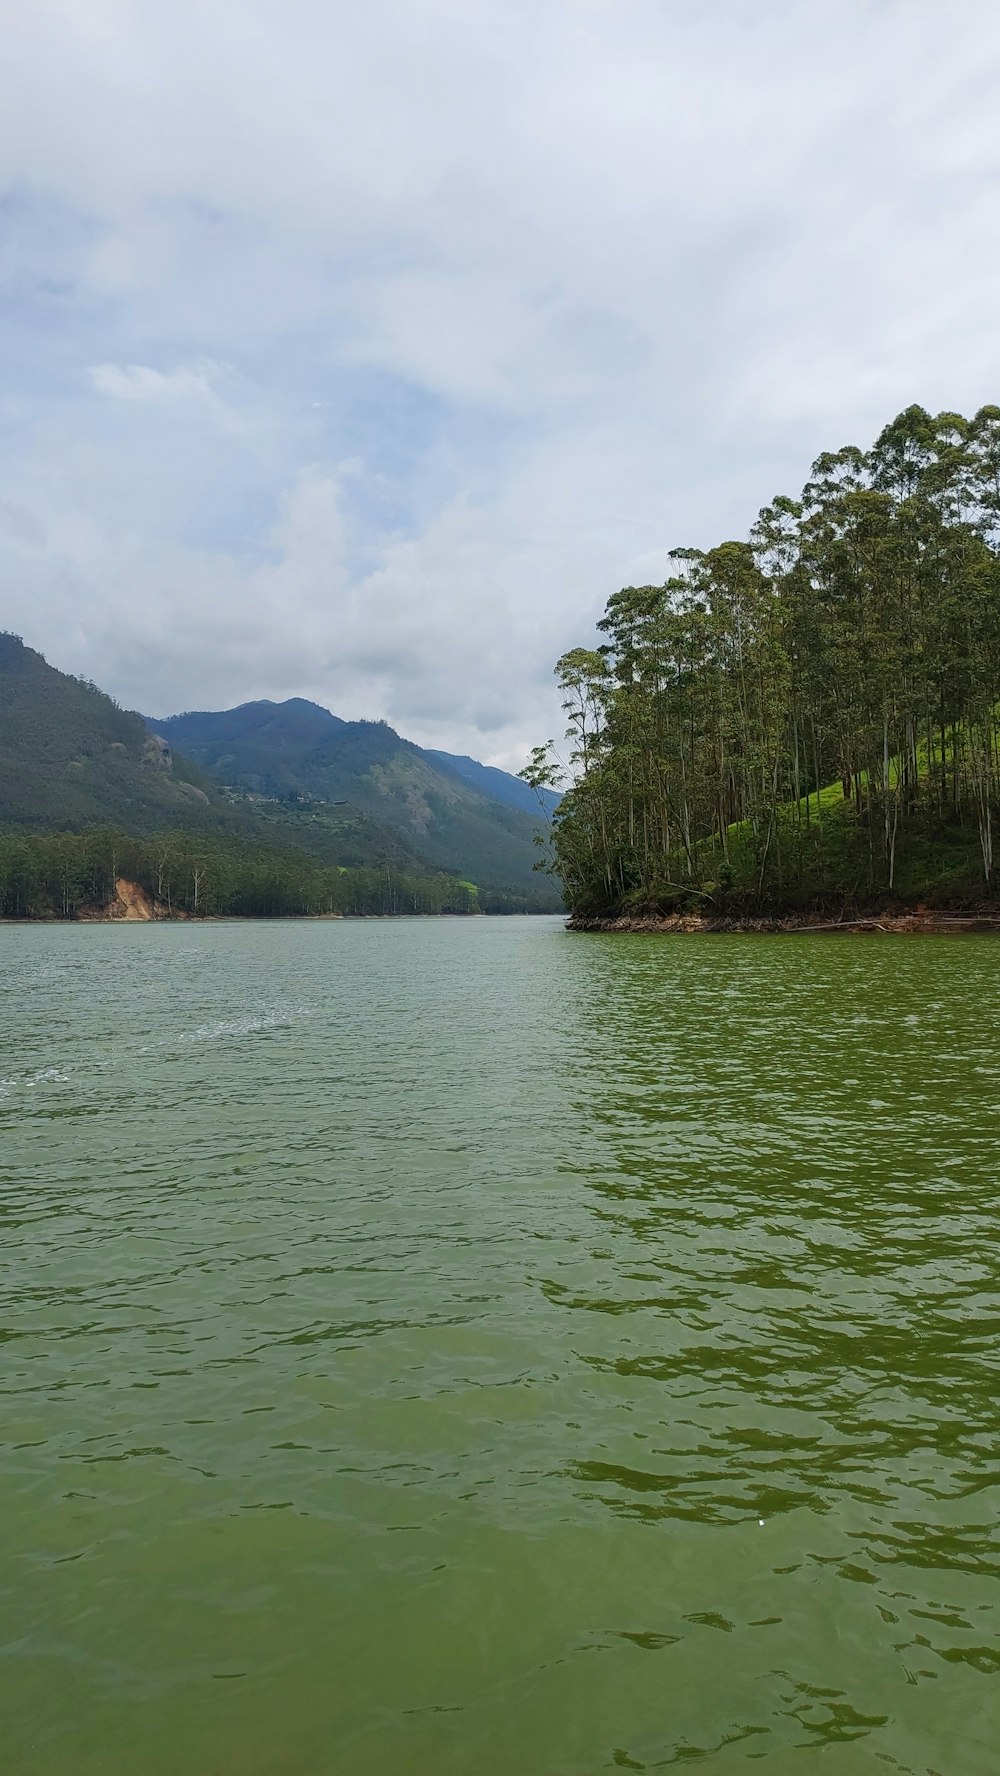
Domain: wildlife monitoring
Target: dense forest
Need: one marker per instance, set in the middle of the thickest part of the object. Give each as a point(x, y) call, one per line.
point(808, 717)
point(64, 875)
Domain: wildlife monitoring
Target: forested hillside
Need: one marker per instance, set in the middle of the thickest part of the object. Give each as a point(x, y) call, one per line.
point(87, 793)
point(70, 757)
point(460, 814)
point(808, 717)
point(513, 791)
point(67, 875)
point(257, 746)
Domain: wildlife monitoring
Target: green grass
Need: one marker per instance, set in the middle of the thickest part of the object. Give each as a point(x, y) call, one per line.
point(829, 856)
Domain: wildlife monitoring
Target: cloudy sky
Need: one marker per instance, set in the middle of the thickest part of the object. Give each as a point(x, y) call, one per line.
point(359, 352)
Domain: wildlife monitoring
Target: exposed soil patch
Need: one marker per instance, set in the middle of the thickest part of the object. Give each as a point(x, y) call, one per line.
point(131, 902)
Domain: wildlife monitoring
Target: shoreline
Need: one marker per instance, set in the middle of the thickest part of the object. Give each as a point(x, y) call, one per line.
point(185, 918)
point(911, 922)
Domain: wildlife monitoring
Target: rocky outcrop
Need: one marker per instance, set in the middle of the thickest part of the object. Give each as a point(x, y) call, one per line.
point(156, 755)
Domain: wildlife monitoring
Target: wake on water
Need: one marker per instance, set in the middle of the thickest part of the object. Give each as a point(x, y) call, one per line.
point(220, 1030)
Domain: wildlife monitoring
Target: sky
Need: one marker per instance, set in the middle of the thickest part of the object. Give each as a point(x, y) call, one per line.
point(361, 352)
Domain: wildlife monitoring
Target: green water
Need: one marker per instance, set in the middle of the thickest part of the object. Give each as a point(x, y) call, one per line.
point(406, 1327)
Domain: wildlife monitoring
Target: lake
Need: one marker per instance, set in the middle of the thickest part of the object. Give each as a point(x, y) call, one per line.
point(462, 1346)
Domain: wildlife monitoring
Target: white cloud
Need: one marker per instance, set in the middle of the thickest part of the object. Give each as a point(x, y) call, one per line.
point(413, 332)
point(140, 382)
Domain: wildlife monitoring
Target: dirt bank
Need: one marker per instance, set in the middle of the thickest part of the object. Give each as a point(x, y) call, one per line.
point(131, 902)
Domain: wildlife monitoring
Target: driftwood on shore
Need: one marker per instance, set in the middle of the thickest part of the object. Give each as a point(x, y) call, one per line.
point(912, 921)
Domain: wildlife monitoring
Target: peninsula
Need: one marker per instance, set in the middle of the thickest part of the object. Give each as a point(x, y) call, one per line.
point(802, 727)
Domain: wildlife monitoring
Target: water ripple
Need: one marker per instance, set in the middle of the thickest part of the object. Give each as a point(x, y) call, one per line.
point(444, 1346)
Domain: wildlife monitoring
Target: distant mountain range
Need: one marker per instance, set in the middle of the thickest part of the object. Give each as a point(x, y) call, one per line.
point(457, 812)
point(500, 784)
point(275, 748)
point(267, 774)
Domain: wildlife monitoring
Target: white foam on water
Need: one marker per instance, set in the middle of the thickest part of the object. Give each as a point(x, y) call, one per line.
point(221, 1030)
point(251, 1025)
point(31, 1081)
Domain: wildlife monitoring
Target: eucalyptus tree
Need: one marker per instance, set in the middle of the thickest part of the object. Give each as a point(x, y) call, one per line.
point(854, 635)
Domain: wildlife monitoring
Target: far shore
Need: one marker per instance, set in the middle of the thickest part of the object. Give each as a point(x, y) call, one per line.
point(134, 905)
point(183, 918)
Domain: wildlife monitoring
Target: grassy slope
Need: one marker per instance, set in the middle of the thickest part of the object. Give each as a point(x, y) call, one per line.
point(837, 864)
point(831, 859)
point(837, 858)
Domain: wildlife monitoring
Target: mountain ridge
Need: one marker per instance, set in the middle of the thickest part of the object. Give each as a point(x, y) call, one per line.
point(265, 777)
point(473, 817)
point(272, 719)
point(72, 760)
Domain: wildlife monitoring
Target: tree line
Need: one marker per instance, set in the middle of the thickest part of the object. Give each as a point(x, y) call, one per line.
point(811, 710)
point(62, 875)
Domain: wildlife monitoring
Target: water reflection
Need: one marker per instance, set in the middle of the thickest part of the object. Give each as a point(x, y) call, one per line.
point(791, 1281)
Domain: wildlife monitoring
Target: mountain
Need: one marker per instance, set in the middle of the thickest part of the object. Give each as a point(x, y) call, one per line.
point(264, 747)
point(501, 784)
point(460, 815)
point(265, 779)
point(258, 746)
point(69, 757)
point(71, 760)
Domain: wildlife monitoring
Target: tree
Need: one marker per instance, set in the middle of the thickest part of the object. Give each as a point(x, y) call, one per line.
point(854, 635)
